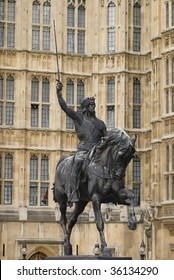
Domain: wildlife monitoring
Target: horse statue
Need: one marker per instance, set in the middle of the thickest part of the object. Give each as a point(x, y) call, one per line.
point(102, 180)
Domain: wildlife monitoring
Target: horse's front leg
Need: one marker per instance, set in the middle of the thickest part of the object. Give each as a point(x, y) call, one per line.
point(63, 222)
point(100, 224)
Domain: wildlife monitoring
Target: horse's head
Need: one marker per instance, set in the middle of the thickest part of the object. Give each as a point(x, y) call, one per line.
point(124, 152)
point(121, 149)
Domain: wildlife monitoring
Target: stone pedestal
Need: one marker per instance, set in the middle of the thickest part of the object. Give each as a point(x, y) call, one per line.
point(87, 257)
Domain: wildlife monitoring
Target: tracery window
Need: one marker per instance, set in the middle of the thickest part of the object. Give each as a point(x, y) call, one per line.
point(169, 173)
point(39, 180)
point(169, 13)
point(40, 102)
point(7, 23)
point(76, 26)
point(6, 100)
point(41, 25)
point(75, 92)
point(111, 26)
point(137, 27)
point(6, 179)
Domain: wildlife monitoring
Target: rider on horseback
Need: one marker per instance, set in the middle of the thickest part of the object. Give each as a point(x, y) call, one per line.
point(89, 130)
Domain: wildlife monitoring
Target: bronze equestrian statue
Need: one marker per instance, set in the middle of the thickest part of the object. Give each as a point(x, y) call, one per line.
point(97, 170)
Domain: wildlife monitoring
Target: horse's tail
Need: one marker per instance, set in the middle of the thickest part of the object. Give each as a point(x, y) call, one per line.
point(53, 188)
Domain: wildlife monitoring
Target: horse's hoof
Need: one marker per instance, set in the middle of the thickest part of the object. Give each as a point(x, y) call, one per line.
point(67, 250)
point(106, 253)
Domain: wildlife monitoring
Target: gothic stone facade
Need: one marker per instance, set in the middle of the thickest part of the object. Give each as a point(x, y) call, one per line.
point(122, 53)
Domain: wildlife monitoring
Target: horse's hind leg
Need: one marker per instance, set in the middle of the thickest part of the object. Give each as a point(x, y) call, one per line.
point(79, 208)
point(63, 222)
point(100, 224)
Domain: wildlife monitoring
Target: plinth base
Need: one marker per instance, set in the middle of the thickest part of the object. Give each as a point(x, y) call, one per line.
point(87, 257)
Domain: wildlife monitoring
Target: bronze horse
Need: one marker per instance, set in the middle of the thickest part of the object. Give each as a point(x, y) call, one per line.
point(102, 180)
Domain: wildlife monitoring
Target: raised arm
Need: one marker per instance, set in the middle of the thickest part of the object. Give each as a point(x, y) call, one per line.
point(69, 111)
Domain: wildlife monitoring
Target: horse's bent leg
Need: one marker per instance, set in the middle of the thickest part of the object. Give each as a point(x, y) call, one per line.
point(63, 222)
point(100, 224)
point(79, 208)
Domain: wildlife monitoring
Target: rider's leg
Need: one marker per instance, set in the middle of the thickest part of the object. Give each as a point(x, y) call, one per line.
point(75, 174)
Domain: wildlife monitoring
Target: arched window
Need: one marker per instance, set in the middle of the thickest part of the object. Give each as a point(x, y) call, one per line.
point(137, 27)
point(111, 27)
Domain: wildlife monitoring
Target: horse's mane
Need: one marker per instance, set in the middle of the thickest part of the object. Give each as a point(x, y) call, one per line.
point(112, 138)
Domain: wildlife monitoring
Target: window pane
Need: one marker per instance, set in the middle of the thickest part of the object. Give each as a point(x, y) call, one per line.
point(8, 167)
point(35, 90)
point(10, 35)
point(111, 39)
point(136, 117)
point(111, 91)
point(167, 187)
point(136, 169)
point(34, 115)
point(44, 194)
point(7, 193)
point(137, 15)
point(167, 72)
point(1, 34)
point(33, 193)
point(10, 88)
point(46, 38)
point(111, 14)
point(136, 92)
point(36, 38)
point(11, 11)
point(44, 169)
point(45, 116)
point(111, 116)
point(36, 13)
point(46, 13)
point(45, 90)
point(167, 14)
point(136, 180)
point(81, 17)
point(172, 13)
point(136, 42)
point(80, 92)
point(1, 87)
point(136, 190)
point(167, 101)
point(70, 19)
point(173, 157)
point(173, 70)
point(9, 113)
point(69, 123)
point(172, 99)
point(81, 42)
point(70, 93)
point(70, 41)
point(172, 187)
point(0, 167)
point(1, 9)
point(33, 168)
point(167, 158)
point(1, 113)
